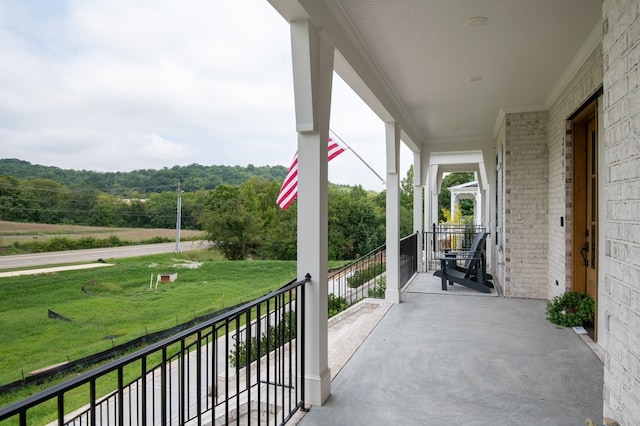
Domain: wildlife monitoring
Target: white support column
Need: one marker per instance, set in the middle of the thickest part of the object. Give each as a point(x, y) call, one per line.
point(434, 190)
point(312, 75)
point(427, 205)
point(454, 203)
point(477, 208)
point(427, 216)
point(436, 183)
point(418, 218)
point(488, 180)
point(392, 293)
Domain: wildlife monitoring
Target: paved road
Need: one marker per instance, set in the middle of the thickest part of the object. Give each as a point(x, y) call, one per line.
point(58, 257)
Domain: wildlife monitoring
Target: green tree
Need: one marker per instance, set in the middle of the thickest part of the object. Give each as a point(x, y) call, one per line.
point(143, 183)
point(406, 204)
point(193, 206)
point(354, 227)
point(406, 189)
point(135, 214)
point(105, 211)
point(161, 209)
point(444, 198)
point(231, 220)
point(82, 203)
point(466, 207)
point(379, 202)
point(281, 241)
point(280, 235)
point(12, 205)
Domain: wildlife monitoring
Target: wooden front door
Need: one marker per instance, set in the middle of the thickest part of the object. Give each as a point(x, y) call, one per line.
point(585, 206)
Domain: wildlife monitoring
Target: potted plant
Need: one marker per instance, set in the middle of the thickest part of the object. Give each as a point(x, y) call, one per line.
point(571, 309)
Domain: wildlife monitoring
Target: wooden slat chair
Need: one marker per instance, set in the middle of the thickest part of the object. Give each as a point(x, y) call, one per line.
point(473, 273)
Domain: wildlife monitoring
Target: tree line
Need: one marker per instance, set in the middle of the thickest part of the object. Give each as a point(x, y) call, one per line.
point(143, 183)
point(241, 219)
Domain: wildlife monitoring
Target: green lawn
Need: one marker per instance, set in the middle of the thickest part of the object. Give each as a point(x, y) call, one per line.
point(117, 301)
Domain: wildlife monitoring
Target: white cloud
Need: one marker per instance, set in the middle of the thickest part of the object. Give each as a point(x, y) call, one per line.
point(129, 84)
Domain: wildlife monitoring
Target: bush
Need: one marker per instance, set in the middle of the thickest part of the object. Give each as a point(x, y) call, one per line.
point(336, 304)
point(361, 277)
point(378, 291)
point(276, 336)
point(64, 244)
point(571, 309)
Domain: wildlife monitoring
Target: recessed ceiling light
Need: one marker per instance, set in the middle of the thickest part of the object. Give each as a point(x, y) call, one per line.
point(476, 21)
point(474, 79)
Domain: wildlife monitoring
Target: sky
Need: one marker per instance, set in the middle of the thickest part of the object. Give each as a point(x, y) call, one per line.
point(121, 85)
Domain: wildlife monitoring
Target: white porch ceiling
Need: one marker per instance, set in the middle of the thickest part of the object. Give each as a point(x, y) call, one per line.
point(416, 60)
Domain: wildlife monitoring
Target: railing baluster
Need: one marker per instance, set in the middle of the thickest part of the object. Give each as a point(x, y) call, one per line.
point(143, 391)
point(237, 391)
point(214, 371)
point(163, 387)
point(276, 352)
point(153, 398)
point(226, 374)
point(61, 409)
point(268, 356)
point(181, 383)
point(282, 332)
point(130, 410)
point(92, 402)
point(199, 378)
point(120, 402)
point(302, 335)
point(248, 385)
point(290, 337)
point(259, 349)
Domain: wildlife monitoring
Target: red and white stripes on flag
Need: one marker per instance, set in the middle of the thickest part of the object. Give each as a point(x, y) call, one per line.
point(289, 191)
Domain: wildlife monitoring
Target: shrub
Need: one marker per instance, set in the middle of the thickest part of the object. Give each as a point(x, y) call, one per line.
point(360, 277)
point(87, 242)
point(64, 244)
point(336, 304)
point(378, 291)
point(276, 336)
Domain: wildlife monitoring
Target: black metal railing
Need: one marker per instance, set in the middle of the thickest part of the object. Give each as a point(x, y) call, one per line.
point(443, 238)
point(219, 372)
point(353, 282)
point(365, 276)
point(408, 258)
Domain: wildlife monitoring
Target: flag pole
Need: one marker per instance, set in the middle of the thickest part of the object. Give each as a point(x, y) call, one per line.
point(356, 154)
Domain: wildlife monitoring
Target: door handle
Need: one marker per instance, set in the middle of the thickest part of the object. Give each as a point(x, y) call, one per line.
point(583, 253)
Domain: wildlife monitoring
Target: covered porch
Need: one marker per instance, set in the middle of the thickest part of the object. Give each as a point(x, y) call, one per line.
point(460, 358)
point(536, 97)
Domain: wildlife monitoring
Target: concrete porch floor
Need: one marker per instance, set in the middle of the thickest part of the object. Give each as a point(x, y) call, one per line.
point(451, 358)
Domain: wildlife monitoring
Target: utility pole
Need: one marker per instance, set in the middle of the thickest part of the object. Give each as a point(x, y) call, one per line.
point(178, 218)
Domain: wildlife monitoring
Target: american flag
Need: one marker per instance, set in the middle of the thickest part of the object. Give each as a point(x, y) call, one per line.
point(289, 191)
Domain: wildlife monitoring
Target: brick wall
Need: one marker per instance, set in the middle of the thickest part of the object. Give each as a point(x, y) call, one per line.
point(621, 47)
point(584, 84)
point(526, 163)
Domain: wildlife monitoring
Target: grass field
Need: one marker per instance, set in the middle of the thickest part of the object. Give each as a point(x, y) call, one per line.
point(25, 232)
point(113, 305)
point(117, 305)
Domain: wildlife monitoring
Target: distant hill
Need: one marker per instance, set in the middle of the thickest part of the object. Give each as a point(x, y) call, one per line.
point(141, 183)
